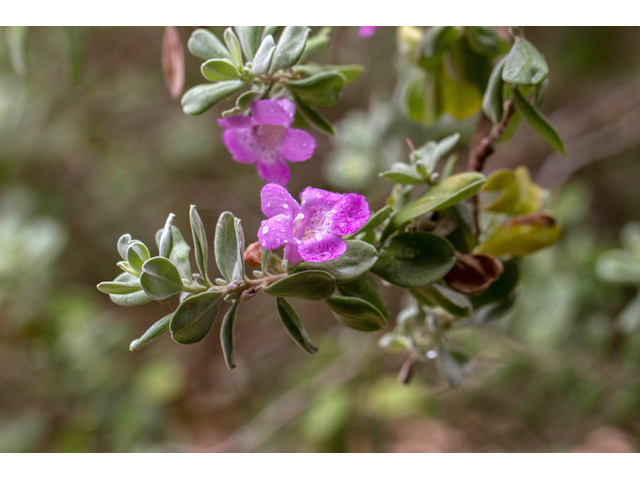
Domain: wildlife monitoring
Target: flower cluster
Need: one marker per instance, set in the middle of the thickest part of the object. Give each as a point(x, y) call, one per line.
point(266, 139)
point(367, 31)
point(311, 230)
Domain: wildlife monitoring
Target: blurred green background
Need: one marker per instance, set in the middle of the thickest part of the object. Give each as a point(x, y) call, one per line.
point(92, 146)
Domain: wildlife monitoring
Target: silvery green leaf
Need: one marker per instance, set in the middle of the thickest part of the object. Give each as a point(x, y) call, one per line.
point(157, 329)
point(310, 285)
point(262, 60)
point(206, 45)
point(200, 245)
point(290, 47)
point(524, 65)
point(137, 254)
point(356, 313)
point(123, 245)
point(293, 325)
point(201, 98)
point(219, 69)
point(249, 40)
point(166, 238)
point(160, 278)
point(127, 268)
point(228, 335)
point(233, 44)
point(194, 317)
point(119, 288)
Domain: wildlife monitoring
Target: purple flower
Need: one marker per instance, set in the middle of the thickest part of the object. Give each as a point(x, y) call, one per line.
point(310, 230)
point(367, 31)
point(266, 139)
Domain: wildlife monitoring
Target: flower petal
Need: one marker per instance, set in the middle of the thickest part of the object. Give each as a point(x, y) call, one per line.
point(270, 112)
point(276, 200)
point(322, 248)
point(237, 121)
point(297, 145)
point(349, 214)
point(273, 168)
point(275, 232)
point(241, 142)
point(291, 253)
point(314, 197)
point(288, 106)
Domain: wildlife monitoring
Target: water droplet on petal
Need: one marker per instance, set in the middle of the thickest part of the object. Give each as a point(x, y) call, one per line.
point(265, 230)
point(285, 205)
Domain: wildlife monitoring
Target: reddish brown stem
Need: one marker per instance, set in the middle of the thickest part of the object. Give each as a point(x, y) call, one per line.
point(483, 147)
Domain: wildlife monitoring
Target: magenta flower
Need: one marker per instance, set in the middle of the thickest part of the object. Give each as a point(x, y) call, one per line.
point(310, 230)
point(266, 139)
point(367, 31)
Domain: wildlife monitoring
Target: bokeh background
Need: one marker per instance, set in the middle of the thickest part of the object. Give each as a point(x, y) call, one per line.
point(92, 146)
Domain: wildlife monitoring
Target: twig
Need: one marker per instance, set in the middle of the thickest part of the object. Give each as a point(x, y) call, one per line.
point(484, 147)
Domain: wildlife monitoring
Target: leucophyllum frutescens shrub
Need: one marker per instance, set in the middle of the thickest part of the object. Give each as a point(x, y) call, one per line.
point(451, 241)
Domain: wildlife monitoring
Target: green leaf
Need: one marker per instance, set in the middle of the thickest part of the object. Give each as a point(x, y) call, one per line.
point(219, 69)
point(366, 289)
point(518, 194)
point(157, 329)
point(443, 195)
point(291, 44)
point(485, 41)
point(451, 366)
point(232, 43)
point(618, 266)
point(356, 313)
point(206, 45)
point(273, 31)
point(194, 317)
point(414, 260)
point(201, 98)
point(539, 123)
point(229, 247)
point(166, 238)
point(137, 254)
point(318, 42)
point(199, 242)
point(249, 40)
point(524, 65)
point(460, 99)
point(160, 278)
point(355, 262)
point(629, 318)
point(430, 154)
point(17, 40)
point(127, 268)
point(521, 235)
point(123, 245)
point(180, 254)
point(294, 327)
point(493, 311)
point(238, 270)
point(130, 299)
point(119, 288)
point(375, 220)
point(322, 89)
point(262, 60)
point(316, 120)
point(493, 101)
point(228, 335)
point(403, 173)
point(434, 42)
point(310, 285)
point(453, 302)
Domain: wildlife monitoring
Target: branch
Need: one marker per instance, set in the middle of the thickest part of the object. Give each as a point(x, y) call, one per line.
point(483, 147)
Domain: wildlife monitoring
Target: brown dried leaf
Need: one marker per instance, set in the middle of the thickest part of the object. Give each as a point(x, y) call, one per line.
point(173, 61)
point(252, 255)
point(472, 274)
